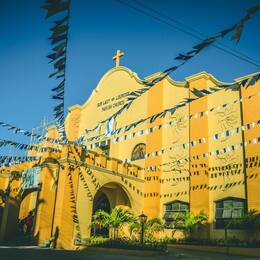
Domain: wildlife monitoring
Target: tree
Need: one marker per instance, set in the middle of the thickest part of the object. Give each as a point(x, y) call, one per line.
point(150, 227)
point(115, 220)
point(189, 221)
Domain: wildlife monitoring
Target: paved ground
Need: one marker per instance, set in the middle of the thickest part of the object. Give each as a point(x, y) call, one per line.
point(36, 253)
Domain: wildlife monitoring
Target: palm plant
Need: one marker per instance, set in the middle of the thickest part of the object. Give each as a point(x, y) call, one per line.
point(189, 221)
point(250, 221)
point(114, 220)
point(150, 227)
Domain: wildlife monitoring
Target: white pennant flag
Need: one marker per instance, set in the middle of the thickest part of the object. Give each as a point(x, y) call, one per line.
point(110, 126)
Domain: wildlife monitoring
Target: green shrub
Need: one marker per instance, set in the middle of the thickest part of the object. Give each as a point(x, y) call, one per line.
point(157, 245)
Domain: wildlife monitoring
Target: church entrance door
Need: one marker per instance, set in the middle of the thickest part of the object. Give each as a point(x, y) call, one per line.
point(101, 203)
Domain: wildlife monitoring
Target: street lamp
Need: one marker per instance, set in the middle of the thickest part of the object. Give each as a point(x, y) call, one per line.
point(228, 223)
point(143, 219)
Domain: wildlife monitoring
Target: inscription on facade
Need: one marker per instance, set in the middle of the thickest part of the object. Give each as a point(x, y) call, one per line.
point(113, 102)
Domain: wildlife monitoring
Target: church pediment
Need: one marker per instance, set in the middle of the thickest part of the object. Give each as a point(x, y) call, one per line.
point(114, 85)
point(109, 96)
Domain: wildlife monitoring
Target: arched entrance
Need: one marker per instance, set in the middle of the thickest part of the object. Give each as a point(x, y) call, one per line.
point(108, 197)
point(27, 209)
point(101, 202)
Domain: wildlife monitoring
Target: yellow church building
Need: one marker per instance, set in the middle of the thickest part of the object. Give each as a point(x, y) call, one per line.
point(204, 155)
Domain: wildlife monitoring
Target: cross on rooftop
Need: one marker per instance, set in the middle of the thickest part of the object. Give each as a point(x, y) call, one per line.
point(117, 57)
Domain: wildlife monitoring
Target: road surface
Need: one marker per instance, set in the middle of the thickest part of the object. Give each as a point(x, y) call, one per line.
point(37, 253)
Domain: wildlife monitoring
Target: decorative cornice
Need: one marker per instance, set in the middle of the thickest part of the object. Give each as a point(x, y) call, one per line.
point(207, 76)
point(170, 80)
point(246, 77)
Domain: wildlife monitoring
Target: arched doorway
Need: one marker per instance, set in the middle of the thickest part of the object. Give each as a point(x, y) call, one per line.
point(101, 203)
point(27, 209)
point(108, 197)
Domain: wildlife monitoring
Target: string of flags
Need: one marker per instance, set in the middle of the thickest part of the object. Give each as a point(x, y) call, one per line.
point(182, 178)
point(236, 31)
point(132, 186)
point(60, 37)
point(233, 87)
point(110, 131)
point(27, 147)
point(85, 185)
point(140, 132)
point(59, 42)
point(17, 130)
point(223, 186)
point(157, 127)
point(225, 171)
point(10, 160)
point(215, 136)
point(201, 187)
point(82, 178)
point(217, 152)
point(73, 200)
point(94, 179)
point(133, 135)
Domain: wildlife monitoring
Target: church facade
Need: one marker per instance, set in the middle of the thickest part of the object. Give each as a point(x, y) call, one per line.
point(202, 156)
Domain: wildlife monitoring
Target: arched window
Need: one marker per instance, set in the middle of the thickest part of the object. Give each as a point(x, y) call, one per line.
point(138, 152)
point(173, 210)
point(227, 209)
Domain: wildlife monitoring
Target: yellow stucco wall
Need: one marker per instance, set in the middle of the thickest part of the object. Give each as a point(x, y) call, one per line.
point(71, 181)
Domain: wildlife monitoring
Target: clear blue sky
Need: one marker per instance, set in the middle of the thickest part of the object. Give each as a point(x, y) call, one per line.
point(97, 29)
